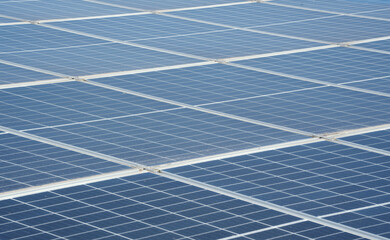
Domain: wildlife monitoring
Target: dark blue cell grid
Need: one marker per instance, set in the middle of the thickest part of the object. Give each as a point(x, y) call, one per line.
point(27, 37)
point(166, 136)
point(95, 59)
point(26, 163)
point(147, 26)
point(206, 84)
point(70, 102)
point(319, 179)
point(11, 74)
point(228, 44)
point(338, 29)
point(379, 139)
point(321, 110)
point(250, 15)
point(142, 206)
point(57, 9)
point(335, 65)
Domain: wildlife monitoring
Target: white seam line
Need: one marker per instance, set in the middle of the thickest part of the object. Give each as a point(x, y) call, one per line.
point(355, 210)
point(370, 49)
point(34, 83)
point(272, 206)
point(34, 69)
point(363, 147)
point(92, 17)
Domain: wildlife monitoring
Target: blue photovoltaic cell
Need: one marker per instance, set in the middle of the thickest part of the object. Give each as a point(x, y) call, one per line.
point(380, 85)
point(380, 13)
point(19, 38)
point(250, 15)
point(169, 136)
point(321, 110)
point(166, 4)
point(318, 179)
point(206, 84)
point(342, 6)
point(147, 26)
point(383, 45)
point(95, 59)
point(335, 65)
point(375, 220)
point(64, 103)
point(12, 74)
point(379, 139)
point(57, 9)
point(227, 44)
point(25, 163)
point(336, 29)
point(143, 206)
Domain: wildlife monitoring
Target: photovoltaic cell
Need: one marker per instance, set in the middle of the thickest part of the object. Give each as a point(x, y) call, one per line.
point(26, 163)
point(143, 206)
point(169, 136)
point(56, 9)
point(227, 44)
point(29, 37)
point(250, 15)
point(379, 139)
point(147, 26)
point(206, 84)
point(336, 29)
point(383, 45)
point(319, 179)
point(380, 85)
point(321, 110)
point(95, 59)
point(342, 6)
point(335, 65)
point(70, 102)
point(11, 74)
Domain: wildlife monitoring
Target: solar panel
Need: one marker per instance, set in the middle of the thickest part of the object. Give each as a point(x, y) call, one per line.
point(224, 119)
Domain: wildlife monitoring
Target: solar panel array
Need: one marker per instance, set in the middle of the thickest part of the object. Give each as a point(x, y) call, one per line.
point(223, 119)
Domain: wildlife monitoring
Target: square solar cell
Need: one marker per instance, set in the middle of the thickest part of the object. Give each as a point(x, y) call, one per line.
point(228, 44)
point(164, 137)
point(11, 74)
point(95, 59)
point(70, 102)
point(318, 179)
point(335, 65)
point(250, 15)
point(148, 26)
point(379, 139)
point(337, 29)
point(26, 163)
point(206, 84)
point(57, 9)
point(320, 110)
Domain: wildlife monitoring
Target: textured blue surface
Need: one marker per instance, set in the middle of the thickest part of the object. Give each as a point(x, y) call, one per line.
point(321, 110)
point(55, 9)
point(380, 14)
point(206, 84)
point(379, 139)
point(318, 179)
point(380, 85)
point(335, 65)
point(383, 45)
point(146, 26)
point(71, 102)
point(11, 74)
point(169, 136)
point(26, 163)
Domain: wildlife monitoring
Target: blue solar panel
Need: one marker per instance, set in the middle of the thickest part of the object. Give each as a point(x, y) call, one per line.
point(95, 59)
point(321, 110)
point(379, 139)
point(336, 29)
point(335, 65)
point(227, 44)
point(168, 136)
point(250, 15)
point(26, 163)
point(64, 103)
point(11, 74)
point(206, 84)
point(342, 6)
point(379, 13)
point(380, 85)
point(55, 9)
point(6, 20)
point(378, 45)
point(19, 38)
point(147, 26)
point(318, 179)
